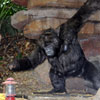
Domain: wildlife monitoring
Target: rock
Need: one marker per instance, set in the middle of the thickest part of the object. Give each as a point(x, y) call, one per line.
point(22, 18)
point(20, 99)
point(97, 96)
point(42, 72)
point(88, 28)
point(34, 21)
point(55, 3)
point(95, 16)
point(76, 85)
point(97, 28)
point(35, 28)
point(19, 20)
point(57, 97)
point(91, 45)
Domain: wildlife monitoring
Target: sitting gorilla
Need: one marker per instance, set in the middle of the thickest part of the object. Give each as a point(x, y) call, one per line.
point(66, 57)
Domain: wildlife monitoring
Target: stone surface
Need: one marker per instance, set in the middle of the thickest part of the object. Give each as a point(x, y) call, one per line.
point(35, 28)
point(56, 3)
point(91, 45)
point(95, 16)
point(62, 97)
point(34, 21)
point(19, 20)
point(20, 99)
point(58, 97)
point(43, 72)
point(76, 85)
point(22, 18)
point(88, 28)
point(97, 28)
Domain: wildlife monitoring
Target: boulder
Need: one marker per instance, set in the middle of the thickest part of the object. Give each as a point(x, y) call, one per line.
point(88, 28)
point(35, 28)
point(91, 45)
point(55, 3)
point(36, 20)
point(21, 18)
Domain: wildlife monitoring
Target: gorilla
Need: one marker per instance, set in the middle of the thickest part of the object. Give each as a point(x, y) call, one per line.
point(63, 51)
point(66, 58)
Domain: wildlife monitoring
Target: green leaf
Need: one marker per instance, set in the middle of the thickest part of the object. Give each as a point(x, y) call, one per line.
point(7, 9)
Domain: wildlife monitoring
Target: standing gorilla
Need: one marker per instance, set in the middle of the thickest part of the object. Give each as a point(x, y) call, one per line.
point(63, 52)
point(67, 60)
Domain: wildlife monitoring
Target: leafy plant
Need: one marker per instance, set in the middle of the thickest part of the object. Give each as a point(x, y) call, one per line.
point(7, 9)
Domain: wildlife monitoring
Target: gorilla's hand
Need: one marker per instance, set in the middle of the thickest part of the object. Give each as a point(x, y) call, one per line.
point(14, 65)
point(20, 64)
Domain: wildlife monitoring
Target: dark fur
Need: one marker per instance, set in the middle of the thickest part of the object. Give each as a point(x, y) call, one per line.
point(66, 58)
point(64, 52)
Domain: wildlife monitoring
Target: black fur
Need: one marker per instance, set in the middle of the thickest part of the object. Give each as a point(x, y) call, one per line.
point(65, 63)
point(63, 52)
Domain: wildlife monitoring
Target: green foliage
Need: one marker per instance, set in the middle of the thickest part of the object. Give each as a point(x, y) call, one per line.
point(7, 9)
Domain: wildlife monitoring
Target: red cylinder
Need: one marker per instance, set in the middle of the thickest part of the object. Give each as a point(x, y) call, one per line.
point(10, 98)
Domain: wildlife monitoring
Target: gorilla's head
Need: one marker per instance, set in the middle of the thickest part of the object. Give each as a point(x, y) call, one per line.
point(50, 42)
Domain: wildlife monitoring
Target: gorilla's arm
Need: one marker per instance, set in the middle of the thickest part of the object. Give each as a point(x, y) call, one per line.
point(70, 29)
point(32, 61)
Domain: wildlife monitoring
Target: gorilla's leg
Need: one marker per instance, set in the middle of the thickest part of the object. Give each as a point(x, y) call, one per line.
point(90, 88)
point(92, 74)
point(93, 85)
point(58, 81)
point(96, 81)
